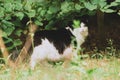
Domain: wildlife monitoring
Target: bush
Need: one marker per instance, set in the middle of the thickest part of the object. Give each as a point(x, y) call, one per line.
point(14, 14)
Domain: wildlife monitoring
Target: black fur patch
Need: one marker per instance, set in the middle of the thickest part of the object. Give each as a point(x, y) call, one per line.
point(61, 38)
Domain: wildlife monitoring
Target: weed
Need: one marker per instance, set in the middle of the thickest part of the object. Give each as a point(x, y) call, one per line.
point(97, 54)
point(110, 50)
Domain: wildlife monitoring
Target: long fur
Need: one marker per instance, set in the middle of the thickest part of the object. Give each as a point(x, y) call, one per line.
point(55, 45)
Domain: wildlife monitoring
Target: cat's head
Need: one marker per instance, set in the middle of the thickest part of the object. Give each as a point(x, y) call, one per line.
point(81, 31)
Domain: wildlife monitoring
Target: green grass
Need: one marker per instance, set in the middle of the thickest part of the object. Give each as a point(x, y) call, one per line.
point(87, 69)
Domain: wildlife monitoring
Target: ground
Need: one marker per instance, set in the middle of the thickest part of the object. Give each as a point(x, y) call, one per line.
point(88, 69)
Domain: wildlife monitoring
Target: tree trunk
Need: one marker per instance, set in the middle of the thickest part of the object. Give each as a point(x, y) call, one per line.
point(100, 23)
point(28, 43)
point(5, 51)
point(3, 48)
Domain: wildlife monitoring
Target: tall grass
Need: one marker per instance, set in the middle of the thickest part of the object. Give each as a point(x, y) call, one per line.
point(88, 69)
point(105, 67)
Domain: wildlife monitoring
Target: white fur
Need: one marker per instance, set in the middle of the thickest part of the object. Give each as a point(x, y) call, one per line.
point(46, 51)
point(80, 34)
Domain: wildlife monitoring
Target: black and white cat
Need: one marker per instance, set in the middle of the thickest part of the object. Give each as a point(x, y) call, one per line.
point(55, 45)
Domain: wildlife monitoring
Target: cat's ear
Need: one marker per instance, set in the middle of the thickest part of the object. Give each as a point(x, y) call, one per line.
point(68, 28)
point(82, 24)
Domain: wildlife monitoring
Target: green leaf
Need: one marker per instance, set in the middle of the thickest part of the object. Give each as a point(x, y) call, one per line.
point(38, 23)
point(109, 10)
point(9, 30)
point(114, 4)
point(108, 6)
point(49, 16)
point(53, 9)
point(28, 6)
point(18, 32)
point(8, 7)
point(31, 13)
point(7, 23)
point(102, 4)
point(76, 23)
point(17, 23)
point(7, 40)
point(78, 7)
point(8, 27)
point(10, 47)
point(1, 14)
point(90, 6)
point(64, 7)
point(20, 15)
point(8, 17)
point(18, 6)
point(95, 1)
point(49, 25)
point(43, 12)
point(39, 9)
point(17, 42)
point(91, 13)
point(8, 1)
point(91, 71)
point(117, 0)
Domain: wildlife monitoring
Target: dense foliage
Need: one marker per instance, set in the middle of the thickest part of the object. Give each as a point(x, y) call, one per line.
point(15, 14)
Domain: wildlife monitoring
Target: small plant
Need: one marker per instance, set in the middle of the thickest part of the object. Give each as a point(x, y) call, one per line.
point(76, 23)
point(97, 54)
point(110, 50)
